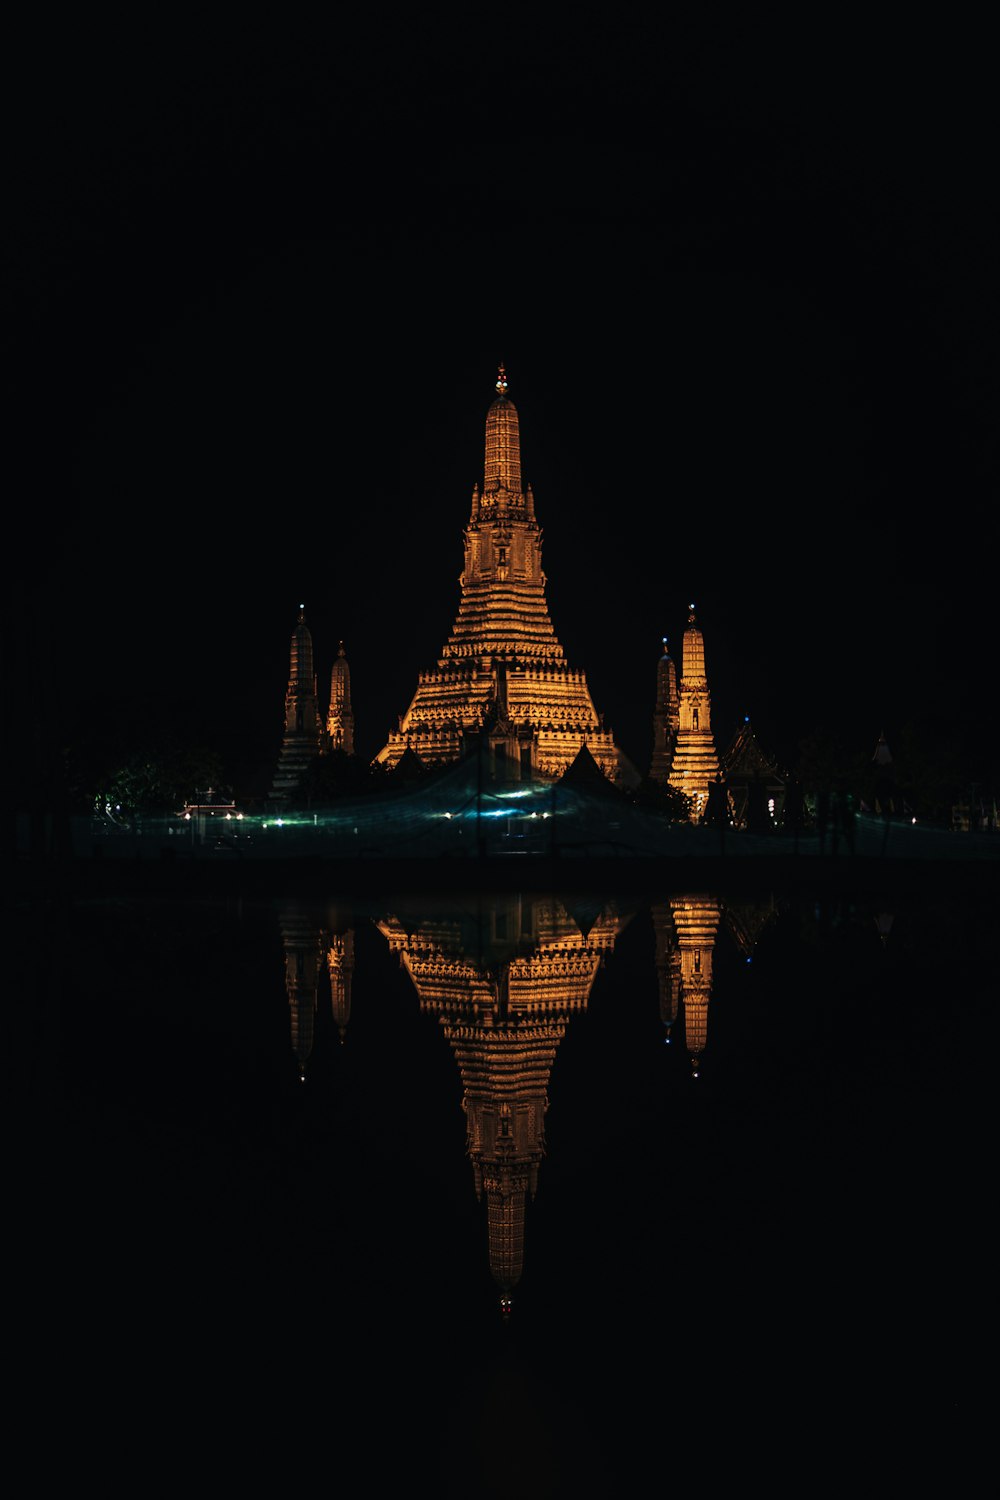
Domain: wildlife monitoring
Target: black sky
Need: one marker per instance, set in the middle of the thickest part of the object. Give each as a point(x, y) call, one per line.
point(744, 297)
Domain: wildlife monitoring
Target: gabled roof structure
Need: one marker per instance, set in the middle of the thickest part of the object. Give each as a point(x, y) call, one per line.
point(749, 774)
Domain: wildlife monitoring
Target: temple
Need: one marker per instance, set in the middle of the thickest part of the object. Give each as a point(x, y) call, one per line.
point(340, 715)
point(684, 754)
point(754, 786)
point(666, 717)
point(303, 737)
point(502, 681)
point(308, 730)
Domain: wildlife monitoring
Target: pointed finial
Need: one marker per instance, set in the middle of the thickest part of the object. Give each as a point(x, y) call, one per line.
point(502, 381)
point(690, 614)
point(340, 649)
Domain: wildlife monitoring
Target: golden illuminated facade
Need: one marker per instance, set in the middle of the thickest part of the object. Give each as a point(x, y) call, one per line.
point(502, 676)
point(504, 990)
point(340, 715)
point(695, 762)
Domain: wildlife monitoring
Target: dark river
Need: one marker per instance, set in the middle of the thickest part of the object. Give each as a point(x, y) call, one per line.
point(521, 1195)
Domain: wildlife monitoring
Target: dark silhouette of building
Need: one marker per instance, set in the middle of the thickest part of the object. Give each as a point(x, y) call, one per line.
point(755, 784)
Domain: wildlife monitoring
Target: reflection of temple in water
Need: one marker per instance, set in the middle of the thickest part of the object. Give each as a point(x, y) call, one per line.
point(504, 980)
point(746, 920)
point(685, 929)
point(311, 946)
point(503, 974)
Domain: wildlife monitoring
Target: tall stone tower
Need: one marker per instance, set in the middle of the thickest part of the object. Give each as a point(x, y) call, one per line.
point(303, 736)
point(695, 762)
point(502, 678)
point(666, 718)
point(340, 715)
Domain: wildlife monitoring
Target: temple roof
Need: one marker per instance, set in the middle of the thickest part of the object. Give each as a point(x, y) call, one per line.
point(584, 773)
point(744, 757)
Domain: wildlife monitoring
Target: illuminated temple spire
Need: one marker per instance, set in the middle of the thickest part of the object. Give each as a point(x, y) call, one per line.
point(340, 715)
point(303, 732)
point(695, 762)
point(503, 444)
point(666, 717)
point(503, 642)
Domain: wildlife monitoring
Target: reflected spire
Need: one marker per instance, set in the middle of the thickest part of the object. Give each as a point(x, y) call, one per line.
point(340, 967)
point(302, 940)
point(696, 921)
point(503, 984)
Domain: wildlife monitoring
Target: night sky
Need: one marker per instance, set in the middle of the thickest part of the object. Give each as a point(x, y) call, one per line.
point(745, 299)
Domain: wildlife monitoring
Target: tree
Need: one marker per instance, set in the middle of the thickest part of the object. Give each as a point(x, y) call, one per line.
point(335, 776)
point(660, 797)
point(122, 781)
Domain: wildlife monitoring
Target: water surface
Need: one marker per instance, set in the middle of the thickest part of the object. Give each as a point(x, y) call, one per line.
point(535, 1194)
